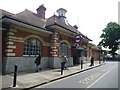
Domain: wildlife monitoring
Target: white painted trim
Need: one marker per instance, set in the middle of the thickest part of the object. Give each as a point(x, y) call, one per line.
point(9, 46)
point(54, 50)
point(10, 54)
point(2, 29)
point(8, 50)
point(55, 55)
point(55, 38)
point(28, 26)
point(54, 47)
point(16, 40)
point(10, 33)
point(13, 37)
point(9, 42)
point(30, 56)
point(13, 30)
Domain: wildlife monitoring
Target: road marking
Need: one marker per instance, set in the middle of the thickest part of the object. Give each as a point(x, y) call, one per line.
point(88, 79)
point(94, 76)
point(43, 86)
point(99, 78)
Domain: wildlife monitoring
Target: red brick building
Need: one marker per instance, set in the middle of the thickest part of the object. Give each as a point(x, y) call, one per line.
point(26, 34)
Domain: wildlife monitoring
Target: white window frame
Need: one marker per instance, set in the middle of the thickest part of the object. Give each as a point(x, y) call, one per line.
point(32, 49)
point(64, 48)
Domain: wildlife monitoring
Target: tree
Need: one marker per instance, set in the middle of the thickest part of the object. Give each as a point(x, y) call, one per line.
point(111, 37)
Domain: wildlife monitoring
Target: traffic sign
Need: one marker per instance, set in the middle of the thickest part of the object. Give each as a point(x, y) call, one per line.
point(78, 38)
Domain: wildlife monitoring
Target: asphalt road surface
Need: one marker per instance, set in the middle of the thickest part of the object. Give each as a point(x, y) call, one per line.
point(105, 76)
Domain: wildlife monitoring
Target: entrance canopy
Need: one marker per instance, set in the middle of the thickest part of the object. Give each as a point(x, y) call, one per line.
point(78, 47)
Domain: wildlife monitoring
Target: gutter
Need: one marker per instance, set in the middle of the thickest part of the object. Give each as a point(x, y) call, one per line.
point(68, 30)
point(16, 21)
point(61, 27)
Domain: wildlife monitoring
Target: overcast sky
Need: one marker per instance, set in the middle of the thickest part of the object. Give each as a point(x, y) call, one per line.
point(91, 16)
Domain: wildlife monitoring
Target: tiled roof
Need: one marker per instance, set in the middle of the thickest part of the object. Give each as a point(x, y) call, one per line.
point(31, 18)
point(55, 20)
point(3, 12)
point(6, 12)
point(27, 18)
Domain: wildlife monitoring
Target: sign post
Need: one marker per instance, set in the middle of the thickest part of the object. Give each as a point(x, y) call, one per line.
point(78, 39)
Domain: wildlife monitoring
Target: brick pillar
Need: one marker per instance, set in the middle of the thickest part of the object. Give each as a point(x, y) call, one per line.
point(10, 44)
point(54, 61)
point(54, 49)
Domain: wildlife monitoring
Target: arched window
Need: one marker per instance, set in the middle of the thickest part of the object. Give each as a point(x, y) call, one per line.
point(32, 47)
point(64, 49)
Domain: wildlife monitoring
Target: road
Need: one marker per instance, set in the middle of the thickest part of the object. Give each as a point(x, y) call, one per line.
point(105, 76)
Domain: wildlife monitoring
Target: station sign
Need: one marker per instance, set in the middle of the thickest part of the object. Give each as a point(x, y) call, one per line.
point(78, 47)
point(78, 38)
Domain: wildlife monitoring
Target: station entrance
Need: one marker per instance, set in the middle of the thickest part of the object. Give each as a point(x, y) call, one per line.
point(76, 56)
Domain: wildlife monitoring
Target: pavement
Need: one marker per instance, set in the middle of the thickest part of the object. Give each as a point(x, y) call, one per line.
point(31, 79)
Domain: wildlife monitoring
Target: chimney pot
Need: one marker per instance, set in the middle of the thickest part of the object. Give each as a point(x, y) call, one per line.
point(75, 26)
point(41, 11)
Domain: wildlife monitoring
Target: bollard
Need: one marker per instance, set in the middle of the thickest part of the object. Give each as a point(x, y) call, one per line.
point(62, 68)
point(15, 76)
point(99, 61)
point(61, 71)
point(81, 64)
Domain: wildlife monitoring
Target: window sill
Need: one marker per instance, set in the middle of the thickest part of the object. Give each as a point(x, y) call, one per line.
point(30, 56)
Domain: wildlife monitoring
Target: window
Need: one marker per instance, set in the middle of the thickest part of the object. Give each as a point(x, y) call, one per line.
point(64, 49)
point(32, 47)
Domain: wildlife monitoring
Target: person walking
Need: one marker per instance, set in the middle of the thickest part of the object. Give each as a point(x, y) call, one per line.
point(38, 62)
point(103, 59)
point(92, 61)
point(63, 61)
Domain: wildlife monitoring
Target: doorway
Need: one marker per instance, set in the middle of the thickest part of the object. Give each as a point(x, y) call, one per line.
point(76, 56)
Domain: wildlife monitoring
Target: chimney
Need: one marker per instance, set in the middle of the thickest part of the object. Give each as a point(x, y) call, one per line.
point(75, 26)
point(41, 11)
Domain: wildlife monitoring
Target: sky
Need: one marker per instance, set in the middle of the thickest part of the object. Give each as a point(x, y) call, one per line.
point(91, 16)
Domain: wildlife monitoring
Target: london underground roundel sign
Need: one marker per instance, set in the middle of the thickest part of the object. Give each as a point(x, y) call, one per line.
point(77, 38)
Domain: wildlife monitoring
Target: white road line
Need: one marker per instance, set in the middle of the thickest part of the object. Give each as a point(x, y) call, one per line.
point(99, 78)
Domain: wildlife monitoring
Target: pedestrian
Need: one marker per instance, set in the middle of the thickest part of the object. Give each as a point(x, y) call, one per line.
point(103, 59)
point(92, 61)
point(38, 62)
point(64, 60)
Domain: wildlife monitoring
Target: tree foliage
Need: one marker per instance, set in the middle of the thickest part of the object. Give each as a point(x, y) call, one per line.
point(111, 37)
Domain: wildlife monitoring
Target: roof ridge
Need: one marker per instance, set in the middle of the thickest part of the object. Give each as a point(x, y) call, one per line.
point(30, 11)
point(7, 12)
point(26, 10)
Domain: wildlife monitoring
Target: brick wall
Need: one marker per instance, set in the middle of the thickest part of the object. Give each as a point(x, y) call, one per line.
point(16, 37)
